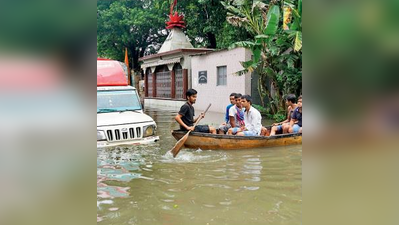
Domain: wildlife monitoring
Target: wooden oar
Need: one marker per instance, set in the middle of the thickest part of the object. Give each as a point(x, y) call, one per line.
point(176, 149)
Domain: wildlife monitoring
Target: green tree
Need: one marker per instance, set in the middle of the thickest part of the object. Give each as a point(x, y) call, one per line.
point(134, 25)
point(207, 25)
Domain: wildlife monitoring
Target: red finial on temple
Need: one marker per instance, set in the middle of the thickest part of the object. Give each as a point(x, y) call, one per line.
point(175, 20)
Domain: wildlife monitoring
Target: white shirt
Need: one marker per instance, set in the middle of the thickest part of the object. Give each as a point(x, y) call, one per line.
point(253, 120)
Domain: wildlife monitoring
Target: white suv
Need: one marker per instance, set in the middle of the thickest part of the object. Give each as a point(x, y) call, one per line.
point(120, 118)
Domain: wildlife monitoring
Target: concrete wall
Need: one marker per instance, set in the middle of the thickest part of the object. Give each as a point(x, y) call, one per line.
point(186, 64)
point(210, 92)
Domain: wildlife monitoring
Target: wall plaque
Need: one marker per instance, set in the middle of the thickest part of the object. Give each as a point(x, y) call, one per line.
point(202, 77)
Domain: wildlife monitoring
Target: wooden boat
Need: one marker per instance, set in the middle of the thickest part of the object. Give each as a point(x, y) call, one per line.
point(208, 141)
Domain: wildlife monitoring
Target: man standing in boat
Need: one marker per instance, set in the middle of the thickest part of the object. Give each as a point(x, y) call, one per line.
point(252, 118)
point(185, 117)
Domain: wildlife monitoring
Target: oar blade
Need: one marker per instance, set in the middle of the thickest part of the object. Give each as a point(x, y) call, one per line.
point(175, 150)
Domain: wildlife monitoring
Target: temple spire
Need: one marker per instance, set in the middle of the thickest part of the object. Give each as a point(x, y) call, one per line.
point(176, 38)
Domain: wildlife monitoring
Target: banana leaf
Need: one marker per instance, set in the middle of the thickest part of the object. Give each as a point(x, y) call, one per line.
point(273, 17)
point(298, 41)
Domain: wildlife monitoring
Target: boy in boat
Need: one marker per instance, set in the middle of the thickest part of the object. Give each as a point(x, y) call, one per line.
point(296, 118)
point(282, 127)
point(252, 118)
point(224, 126)
point(265, 131)
point(236, 116)
point(185, 117)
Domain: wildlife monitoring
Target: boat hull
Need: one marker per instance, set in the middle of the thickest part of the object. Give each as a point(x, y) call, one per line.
point(228, 142)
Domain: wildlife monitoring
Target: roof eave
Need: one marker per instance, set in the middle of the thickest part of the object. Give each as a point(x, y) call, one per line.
point(176, 51)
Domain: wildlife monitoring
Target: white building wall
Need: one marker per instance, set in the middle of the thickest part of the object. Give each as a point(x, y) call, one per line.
point(210, 92)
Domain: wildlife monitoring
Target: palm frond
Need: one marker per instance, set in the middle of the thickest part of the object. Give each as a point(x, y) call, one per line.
point(262, 37)
point(259, 5)
point(250, 65)
point(244, 44)
point(242, 72)
point(233, 10)
point(236, 21)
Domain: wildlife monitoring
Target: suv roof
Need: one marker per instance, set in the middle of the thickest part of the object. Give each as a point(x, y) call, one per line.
point(110, 73)
point(115, 88)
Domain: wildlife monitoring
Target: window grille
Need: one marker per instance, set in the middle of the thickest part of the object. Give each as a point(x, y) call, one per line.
point(163, 83)
point(178, 83)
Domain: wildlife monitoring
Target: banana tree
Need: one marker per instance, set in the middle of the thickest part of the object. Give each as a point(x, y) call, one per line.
point(276, 51)
point(261, 20)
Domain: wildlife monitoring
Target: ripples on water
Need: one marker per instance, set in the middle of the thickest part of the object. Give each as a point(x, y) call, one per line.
point(146, 185)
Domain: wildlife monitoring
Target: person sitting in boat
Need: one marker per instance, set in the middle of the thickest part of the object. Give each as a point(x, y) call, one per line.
point(225, 126)
point(265, 131)
point(236, 117)
point(296, 118)
point(252, 118)
point(185, 117)
point(282, 127)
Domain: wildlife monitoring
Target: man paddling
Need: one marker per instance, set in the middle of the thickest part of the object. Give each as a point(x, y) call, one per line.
point(185, 117)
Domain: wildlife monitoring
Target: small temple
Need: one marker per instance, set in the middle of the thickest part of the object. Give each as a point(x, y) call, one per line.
point(166, 74)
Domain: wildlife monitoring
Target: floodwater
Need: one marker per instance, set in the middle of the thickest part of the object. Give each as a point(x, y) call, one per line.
point(145, 185)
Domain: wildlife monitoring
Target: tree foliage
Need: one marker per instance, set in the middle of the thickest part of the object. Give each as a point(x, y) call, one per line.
point(134, 25)
point(207, 25)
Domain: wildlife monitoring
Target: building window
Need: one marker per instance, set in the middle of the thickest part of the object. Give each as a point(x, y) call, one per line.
point(222, 76)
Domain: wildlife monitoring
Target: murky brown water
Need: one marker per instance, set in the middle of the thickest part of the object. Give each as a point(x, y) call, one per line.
point(144, 185)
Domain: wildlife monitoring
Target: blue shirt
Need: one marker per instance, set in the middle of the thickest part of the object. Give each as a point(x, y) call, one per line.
point(227, 113)
point(298, 116)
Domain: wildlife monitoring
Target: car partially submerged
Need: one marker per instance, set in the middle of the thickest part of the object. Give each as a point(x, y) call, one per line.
point(120, 117)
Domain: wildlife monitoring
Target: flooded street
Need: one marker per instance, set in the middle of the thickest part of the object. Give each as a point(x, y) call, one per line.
point(145, 185)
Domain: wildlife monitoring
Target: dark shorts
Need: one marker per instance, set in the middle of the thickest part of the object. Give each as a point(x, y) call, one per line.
point(279, 129)
point(225, 128)
point(201, 128)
